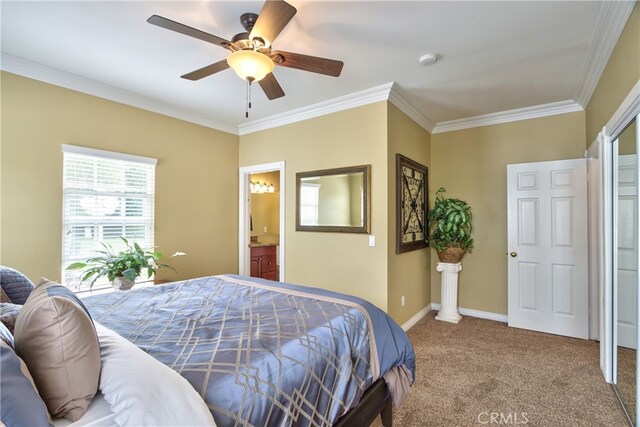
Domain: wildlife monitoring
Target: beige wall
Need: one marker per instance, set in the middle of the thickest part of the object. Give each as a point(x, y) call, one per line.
point(472, 165)
point(627, 140)
point(620, 75)
point(337, 261)
point(409, 273)
point(196, 177)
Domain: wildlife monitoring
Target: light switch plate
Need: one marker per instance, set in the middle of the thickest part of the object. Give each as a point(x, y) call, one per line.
point(372, 241)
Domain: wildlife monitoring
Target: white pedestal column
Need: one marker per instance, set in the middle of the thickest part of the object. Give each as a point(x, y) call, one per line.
point(449, 298)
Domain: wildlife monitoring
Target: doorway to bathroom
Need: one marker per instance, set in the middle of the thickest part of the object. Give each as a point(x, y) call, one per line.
point(262, 221)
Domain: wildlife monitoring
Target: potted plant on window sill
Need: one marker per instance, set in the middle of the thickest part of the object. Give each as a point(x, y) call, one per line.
point(451, 227)
point(121, 268)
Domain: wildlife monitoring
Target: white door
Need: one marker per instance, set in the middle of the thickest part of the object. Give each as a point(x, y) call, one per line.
point(547, 243)
point(627, 251)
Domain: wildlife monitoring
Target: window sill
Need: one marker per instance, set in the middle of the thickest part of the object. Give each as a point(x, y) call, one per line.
point(145, 284)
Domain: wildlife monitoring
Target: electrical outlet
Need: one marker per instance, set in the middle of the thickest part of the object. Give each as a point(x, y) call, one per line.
point(372, 241)
point(402, 300)
point(265, 228)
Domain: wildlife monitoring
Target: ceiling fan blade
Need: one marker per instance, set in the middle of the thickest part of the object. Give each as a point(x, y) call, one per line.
point(274, 16)
point(271, 87)
point(206, 71)
point(328, 67)
point(188, 31)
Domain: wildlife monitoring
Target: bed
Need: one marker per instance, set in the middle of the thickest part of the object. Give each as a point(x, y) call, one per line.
point(262, 353)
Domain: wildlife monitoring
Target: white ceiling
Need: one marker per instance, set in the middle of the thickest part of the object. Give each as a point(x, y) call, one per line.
point(492, 56)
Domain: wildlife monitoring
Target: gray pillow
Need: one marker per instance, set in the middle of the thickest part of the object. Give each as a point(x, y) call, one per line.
point(56, 338)
point(15, 285)
point(8, 315)
point(20, 404)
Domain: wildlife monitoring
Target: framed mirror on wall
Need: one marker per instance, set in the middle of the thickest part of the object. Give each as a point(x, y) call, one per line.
point(334, 200)
point(626, 260)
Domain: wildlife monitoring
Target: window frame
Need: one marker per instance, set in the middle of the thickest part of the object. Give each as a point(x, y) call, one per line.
point(147, 207)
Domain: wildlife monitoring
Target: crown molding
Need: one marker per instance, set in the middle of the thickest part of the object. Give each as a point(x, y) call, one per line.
point(356, 99)
point(400, 100)
point(609, 26)
point(534, 112)
point(17, 65)
point(385, 92)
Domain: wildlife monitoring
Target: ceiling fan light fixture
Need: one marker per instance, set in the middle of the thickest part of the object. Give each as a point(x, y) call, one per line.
point(250, 65)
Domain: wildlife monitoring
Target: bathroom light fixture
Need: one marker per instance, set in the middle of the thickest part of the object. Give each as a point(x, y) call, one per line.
point(260, 188)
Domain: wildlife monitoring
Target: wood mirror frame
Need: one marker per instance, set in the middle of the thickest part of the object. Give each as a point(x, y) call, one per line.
point(366, 199)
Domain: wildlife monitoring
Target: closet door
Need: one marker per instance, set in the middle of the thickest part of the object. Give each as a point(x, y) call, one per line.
point(626, 243)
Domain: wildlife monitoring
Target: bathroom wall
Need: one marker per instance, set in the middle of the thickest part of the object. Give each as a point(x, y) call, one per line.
point(265, 209)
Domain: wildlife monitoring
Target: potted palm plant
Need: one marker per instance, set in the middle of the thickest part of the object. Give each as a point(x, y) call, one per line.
point(121, 268)
point(450, 228)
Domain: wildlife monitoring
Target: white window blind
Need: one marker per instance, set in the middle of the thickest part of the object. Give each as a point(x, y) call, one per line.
point(309, 195)
point(105, 195)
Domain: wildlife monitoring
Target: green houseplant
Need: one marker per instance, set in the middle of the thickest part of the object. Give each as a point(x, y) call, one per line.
point(121, 268)
point(450, 228)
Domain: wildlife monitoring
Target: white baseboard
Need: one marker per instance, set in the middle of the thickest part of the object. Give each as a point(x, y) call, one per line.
point(475, 313)
point(416, 318)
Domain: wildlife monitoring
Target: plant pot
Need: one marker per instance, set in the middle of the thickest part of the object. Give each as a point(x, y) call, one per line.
point(122, 283)
point(451, 255)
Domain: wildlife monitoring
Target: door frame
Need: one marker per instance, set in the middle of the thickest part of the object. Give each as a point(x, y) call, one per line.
point(626, 112)
point(594, 196)
point(244, 211)
point(600, 151)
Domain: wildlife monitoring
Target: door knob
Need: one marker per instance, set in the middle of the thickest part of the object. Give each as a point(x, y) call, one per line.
point(513, 254)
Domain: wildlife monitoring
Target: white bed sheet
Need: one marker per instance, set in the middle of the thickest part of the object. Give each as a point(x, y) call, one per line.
point(98, 414)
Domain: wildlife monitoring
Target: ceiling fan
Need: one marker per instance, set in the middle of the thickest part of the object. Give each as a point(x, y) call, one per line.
point(252, 57)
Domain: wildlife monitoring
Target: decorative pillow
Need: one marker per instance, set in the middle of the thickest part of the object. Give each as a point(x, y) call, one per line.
point(8, 314)
point(20, 404)
point(55, 336)
point(15, 285)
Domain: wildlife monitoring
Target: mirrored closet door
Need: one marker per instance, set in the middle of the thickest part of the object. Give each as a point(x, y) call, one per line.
point(626, 261)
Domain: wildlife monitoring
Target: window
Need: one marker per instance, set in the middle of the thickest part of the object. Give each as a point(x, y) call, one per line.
point(309, 195)
point(105, 195)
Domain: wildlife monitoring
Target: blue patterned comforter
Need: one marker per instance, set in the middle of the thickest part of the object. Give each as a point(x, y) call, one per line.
point(260, 352)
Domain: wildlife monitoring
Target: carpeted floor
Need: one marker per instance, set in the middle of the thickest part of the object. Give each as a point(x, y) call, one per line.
point(467, 372)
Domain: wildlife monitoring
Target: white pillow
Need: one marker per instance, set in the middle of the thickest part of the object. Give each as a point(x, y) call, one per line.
point(142, 391)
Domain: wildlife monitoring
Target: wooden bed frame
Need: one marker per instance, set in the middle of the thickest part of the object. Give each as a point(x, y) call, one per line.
point(375, 401)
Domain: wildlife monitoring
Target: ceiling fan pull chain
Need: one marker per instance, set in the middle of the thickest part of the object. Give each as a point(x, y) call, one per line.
point(246, 101)
point(250, 80)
